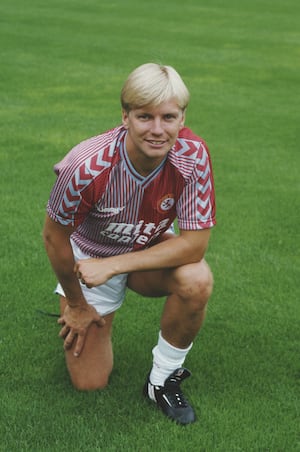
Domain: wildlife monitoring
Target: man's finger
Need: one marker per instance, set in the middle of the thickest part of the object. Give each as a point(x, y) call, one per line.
point(77, 271)
point(64, 331)
point(79, 344)
point(101, 322)
point(69, 340)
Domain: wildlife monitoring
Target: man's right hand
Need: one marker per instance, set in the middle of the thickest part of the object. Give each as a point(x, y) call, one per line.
point(75, 323)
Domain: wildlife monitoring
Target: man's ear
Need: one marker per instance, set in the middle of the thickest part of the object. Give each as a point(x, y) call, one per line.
point(182, 119)
point(125, 118)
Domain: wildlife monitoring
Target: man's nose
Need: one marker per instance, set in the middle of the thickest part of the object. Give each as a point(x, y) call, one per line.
point(156, 127)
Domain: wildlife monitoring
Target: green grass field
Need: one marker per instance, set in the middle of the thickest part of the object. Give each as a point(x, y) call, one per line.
point(63, 63)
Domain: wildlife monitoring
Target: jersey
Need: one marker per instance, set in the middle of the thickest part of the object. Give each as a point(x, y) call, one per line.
point(115, 210)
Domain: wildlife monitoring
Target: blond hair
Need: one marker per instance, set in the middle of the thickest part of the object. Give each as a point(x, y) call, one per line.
point(152, 84)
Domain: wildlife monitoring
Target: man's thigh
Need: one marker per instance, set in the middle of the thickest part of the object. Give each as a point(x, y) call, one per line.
point(164, 282)
point(151, 283)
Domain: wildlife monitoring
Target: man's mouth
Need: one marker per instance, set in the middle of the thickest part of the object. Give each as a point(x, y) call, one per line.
point(156, 142)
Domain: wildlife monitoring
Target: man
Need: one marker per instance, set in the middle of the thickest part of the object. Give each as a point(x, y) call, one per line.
point(109, 225)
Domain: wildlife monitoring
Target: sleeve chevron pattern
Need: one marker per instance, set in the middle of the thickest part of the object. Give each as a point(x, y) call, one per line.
point(196, 205)
point(74, 193)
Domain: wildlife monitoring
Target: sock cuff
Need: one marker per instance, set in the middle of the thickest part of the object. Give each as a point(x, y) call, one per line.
point(166, 359)
point(168, 349)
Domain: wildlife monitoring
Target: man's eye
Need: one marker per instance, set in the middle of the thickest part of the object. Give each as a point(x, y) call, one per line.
point(144, 116)
point(169, 117)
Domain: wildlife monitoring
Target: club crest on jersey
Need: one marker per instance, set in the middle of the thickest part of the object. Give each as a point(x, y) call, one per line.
point(166, 203)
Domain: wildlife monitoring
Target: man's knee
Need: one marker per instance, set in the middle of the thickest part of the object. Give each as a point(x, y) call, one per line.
point(194, 282)
point(90, 383)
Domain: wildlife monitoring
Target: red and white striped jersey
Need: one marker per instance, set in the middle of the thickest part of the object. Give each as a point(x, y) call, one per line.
point(114, 209)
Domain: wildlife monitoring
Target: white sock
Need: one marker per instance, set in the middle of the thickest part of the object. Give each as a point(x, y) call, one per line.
point(166, 359)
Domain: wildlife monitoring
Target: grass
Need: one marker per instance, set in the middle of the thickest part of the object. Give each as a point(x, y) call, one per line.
point(63, 64)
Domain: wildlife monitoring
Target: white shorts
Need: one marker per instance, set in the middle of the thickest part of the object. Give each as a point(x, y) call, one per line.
point(106, 298)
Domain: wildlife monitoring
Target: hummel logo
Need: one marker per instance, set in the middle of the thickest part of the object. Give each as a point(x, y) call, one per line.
point(113, 210)
point(167, 400)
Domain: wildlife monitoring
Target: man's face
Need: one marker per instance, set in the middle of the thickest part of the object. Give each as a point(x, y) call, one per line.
point(152, 131)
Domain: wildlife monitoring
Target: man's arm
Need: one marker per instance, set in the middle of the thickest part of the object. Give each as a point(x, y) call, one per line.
point(78, 315)
point(188, 247)
point(60, 254)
